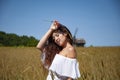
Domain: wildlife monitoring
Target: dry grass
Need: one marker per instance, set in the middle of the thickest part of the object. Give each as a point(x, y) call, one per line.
point(100, 63)
point(20, 64)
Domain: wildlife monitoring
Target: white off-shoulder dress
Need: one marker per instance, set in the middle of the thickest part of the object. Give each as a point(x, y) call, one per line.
point(62, 68)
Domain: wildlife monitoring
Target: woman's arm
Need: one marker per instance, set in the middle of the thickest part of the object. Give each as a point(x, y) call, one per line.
point(42, 42)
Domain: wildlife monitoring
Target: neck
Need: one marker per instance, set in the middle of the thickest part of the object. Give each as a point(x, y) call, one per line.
point(67, 45)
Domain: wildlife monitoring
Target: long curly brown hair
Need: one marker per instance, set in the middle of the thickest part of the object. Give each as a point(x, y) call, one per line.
point(51, 48)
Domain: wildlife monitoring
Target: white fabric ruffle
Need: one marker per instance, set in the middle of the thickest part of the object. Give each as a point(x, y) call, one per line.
point(65, 66)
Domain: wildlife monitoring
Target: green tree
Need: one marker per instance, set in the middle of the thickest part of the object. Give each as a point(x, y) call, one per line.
point(10, 39)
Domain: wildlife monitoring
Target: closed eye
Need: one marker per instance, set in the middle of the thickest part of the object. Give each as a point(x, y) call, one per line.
point(55, 36)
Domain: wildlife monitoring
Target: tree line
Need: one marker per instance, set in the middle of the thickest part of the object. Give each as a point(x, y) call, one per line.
point(11, 39)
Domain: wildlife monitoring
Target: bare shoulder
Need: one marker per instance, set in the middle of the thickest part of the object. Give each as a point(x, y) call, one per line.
point(71, 52)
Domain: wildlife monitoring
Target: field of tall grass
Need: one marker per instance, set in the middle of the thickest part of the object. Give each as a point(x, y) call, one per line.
point(95, 63)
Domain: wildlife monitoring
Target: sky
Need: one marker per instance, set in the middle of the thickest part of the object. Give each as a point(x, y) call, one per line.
point(96, 21)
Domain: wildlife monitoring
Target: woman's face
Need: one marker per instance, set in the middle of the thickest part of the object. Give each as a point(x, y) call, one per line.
point(59, 38)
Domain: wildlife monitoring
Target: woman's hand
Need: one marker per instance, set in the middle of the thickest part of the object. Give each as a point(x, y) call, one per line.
point(69, 79)
point(54, 25)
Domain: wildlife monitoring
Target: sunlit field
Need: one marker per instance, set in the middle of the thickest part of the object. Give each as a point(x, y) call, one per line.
point(95, 63)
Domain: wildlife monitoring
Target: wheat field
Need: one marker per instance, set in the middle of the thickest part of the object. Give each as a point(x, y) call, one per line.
point(95, 63)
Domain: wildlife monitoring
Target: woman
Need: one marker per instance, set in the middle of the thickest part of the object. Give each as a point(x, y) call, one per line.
point(59, 56)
